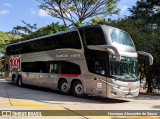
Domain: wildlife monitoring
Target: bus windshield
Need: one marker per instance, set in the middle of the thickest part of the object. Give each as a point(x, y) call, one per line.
point(126, 69)
point(120, 37)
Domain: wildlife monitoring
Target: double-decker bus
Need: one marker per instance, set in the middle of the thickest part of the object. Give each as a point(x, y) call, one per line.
point(96, 60)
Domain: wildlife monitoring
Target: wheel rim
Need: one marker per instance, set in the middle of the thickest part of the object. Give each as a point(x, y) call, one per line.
point(64, 87)
point(79, 89)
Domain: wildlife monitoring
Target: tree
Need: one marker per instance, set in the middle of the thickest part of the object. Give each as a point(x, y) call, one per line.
point(4, 39)
point(49, 29)
point(148, 10)
point(24, 30)
point(76, 11)
point(2, 64)
point(97, 20)
point(147, 13)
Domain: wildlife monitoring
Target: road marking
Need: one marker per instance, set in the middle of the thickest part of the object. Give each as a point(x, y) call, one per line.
point(4, 102)
point(38, 105)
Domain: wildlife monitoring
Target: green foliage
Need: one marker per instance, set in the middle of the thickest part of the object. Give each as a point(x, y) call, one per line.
point(97, 20)
point(24, 30)
point(76, 11)
point(5, 38)
point(49, 29)
point(78, 24)
point(146, 13)
point(1, 65)
point(148, 10)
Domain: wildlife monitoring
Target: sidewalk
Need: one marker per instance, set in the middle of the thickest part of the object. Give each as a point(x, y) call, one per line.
point(144, 92)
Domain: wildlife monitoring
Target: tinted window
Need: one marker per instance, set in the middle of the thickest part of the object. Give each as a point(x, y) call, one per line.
point(66, 40)
point(94, 36)
point(97, 62)
point(70, 68)
point(98, 66)
point(14, 49)
point(51, 67)
point(69, 40)
point(39, 67)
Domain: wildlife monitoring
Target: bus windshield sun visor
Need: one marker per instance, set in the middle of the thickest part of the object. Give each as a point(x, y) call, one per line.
point(106, 48)
point(147, 55)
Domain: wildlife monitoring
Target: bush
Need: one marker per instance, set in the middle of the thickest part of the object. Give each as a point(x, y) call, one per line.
point(1, 74)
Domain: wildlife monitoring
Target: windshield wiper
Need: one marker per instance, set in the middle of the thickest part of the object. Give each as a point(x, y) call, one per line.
point(118, 77)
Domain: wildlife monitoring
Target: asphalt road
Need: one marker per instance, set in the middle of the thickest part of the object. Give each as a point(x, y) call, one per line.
point(13, 97)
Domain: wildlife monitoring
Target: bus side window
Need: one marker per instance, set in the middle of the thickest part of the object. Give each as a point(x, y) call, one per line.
point(94, 36)
point(51, 68)
point(100, 68)
point(70, 68)
point(54, 68)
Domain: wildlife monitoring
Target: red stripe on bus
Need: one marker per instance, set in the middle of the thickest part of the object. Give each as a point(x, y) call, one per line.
point(69, 75)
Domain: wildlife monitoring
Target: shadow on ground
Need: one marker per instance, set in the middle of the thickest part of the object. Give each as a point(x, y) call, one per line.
point(44, 94)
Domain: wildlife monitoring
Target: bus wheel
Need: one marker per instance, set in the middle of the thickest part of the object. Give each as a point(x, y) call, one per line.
point(63, 87)
point(20, 81)
point(78, 89)
point(14, 79)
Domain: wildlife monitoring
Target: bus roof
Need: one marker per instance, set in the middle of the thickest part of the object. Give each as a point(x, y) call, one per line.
point(61, 32)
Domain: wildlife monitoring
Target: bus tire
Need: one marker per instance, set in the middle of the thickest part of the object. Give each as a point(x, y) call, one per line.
point(77, 89)
point(63, 87)
point(19, 81)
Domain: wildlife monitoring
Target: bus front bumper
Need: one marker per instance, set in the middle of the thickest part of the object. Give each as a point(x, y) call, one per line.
point(119, 93)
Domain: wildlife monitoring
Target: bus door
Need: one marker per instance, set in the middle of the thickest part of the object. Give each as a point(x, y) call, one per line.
point(100, 76)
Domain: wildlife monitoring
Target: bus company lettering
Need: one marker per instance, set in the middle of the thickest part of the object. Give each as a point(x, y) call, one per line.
point(61, 55)
point(15, 63)
point(66, 55)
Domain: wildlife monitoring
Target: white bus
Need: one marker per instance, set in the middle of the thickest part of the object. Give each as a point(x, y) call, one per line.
point(96, 60)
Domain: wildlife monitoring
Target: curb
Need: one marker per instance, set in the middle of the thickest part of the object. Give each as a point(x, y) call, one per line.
point(152, 94)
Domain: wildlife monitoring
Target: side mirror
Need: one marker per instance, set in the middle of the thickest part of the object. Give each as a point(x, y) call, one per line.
point(147, 55)
point(109, 48)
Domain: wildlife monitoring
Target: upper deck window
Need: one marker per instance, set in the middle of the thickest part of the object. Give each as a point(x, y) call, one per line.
point(94, 36)
point(65, 40)
point(121, 37)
